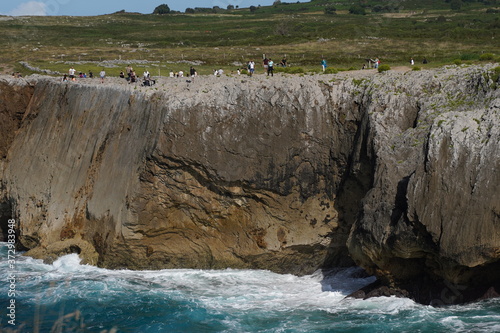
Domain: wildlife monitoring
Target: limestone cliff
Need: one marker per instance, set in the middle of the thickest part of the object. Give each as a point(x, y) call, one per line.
point(217, 173)
point(396, 171)
point(431, 223)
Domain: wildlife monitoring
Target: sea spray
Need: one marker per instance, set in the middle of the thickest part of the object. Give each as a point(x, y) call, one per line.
point(93, 299)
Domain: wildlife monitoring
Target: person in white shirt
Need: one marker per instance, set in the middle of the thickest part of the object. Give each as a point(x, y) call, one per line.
point(251, 66)
point(102, 74)
point(72, 72)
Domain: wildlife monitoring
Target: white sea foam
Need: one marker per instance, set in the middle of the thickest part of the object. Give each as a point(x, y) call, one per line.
point(240, 290)
point(240, 299)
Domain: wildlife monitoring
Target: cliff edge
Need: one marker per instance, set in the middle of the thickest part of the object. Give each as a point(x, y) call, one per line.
point(396, 172)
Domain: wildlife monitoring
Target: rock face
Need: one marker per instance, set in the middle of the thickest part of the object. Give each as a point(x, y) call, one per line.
point(221, 173)
point(398, 172)
point(431, 223)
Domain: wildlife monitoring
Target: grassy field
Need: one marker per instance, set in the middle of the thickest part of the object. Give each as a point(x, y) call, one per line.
point(228, 38)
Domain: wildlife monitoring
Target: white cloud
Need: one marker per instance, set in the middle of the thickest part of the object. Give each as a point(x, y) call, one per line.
point(32, 8)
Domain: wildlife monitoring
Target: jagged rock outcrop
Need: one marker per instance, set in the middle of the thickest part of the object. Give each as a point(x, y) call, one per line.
point(430, 222)
point(397, 171)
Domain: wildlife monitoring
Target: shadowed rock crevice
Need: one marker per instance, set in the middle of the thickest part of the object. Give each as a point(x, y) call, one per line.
point(355, 183)
point(5, 214)
point(400, 202)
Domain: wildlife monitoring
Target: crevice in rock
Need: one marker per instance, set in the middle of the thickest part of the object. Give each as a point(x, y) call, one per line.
point(415, 120)
point(5, 215)
point(400, 202)
point(356, 182)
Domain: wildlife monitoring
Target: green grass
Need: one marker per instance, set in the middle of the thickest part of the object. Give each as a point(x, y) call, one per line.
point(301, 31)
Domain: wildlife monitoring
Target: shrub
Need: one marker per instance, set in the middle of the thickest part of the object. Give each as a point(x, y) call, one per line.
point(486, 56)
point(469, 56)
point(456, 4)
point(441, 19)
point(289, 70)
point(357, 10)
point(496, 74)
point(457, 62)
point(331, 70)
point(383, 68)
point(330, 10)
point(162, 9)
point(416, 68)
point(389, 8)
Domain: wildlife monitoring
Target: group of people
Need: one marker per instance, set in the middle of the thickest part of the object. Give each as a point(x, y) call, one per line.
point(412, 62)
point(131, 77)
point(71, 76)
point(268, 65)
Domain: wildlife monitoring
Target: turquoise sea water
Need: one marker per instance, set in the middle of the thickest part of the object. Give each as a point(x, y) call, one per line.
point(69, 297)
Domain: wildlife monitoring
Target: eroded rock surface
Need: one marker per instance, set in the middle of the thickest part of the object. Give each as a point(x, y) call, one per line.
point(220, 173)
point(396, 171)
point(430, 223)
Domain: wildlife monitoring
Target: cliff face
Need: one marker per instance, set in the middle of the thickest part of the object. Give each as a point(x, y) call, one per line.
point(397, 171)
point(221, 173)
point(430, 223)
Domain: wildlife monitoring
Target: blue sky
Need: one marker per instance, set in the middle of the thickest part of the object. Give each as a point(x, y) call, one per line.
point(99, 7)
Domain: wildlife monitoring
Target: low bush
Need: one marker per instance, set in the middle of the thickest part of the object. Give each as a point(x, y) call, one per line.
point(383, 68)
point(469, 56)
point(330, 10)
point(496, 74)
point(416, 68)
point(331, 70)
point(457, 62)
point(486, 56)
point(289, 70)
point(357, 10)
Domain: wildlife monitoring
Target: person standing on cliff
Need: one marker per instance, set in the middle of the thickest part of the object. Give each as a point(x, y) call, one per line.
point(323, 65)
point(265, 63)
point(270, 67)
point(251, 67)
point(102, 74)
point(72, 72)
point(192, 72)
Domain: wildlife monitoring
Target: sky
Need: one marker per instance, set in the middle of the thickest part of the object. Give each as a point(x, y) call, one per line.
point(100, 7)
